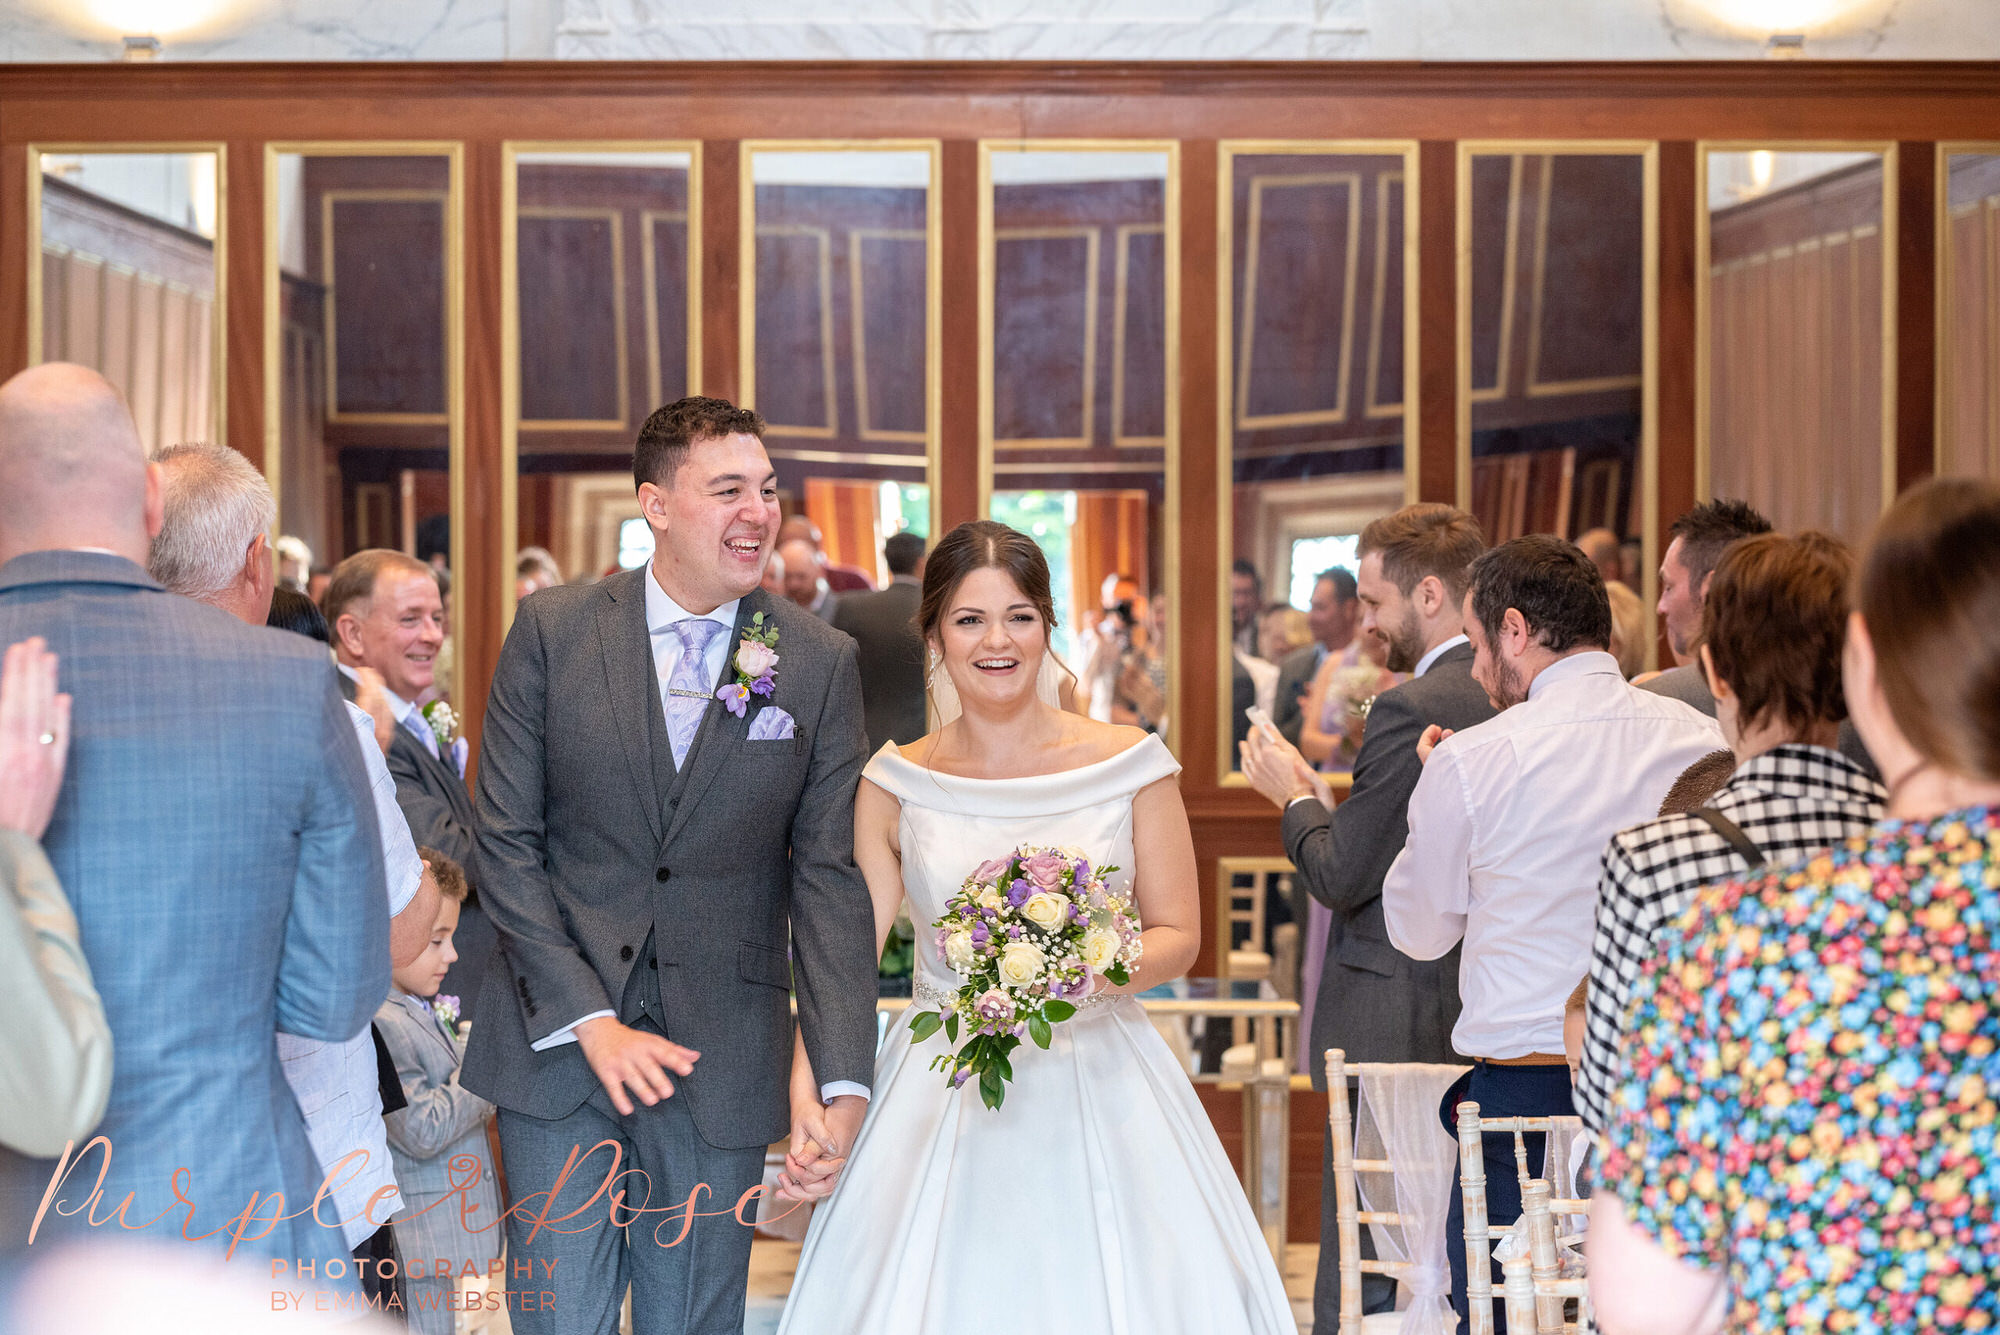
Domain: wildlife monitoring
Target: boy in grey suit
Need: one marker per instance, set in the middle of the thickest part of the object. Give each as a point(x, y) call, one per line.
point(451, 1201)
point(666, 802)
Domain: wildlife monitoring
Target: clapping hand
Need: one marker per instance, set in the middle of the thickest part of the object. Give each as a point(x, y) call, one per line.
point(370, 696)
point(34, 738)
point(1429, 742)
point(622, 1057)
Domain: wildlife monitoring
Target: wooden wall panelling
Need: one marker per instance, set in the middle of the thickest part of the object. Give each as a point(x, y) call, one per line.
point(1681, 199)
point(958, 479)
point(721, 253)
point(14, 259)
point(1968, 298)
point(1437, 324)
point(480, 480)
point(1916, 318)
point(240, 179)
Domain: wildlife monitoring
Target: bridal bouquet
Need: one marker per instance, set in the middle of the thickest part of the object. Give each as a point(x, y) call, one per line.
point(1029, 932)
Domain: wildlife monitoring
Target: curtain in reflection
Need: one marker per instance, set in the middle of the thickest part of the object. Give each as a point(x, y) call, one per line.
point(1970, 442)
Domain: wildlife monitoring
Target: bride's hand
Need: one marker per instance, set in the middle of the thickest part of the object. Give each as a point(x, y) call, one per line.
point(822, 1138)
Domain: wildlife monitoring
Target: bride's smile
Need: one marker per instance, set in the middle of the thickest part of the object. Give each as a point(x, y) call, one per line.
point(993, 639)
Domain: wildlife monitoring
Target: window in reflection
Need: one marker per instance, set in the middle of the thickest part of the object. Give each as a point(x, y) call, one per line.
point(1080, 348)
point(1796, 303)
point(1556, 347)
point(1969, 438)
point(364, 361)
point(604, 265)
point(127, 280)
point(1317, 418)
point(841, 355)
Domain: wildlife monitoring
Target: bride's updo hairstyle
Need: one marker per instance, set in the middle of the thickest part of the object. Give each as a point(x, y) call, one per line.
point(982, 544)
point(1930, 594)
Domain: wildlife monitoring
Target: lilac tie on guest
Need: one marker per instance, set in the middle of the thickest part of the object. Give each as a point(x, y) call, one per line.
point(689, 690)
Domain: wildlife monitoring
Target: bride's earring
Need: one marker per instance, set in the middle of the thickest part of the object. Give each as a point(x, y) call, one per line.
point(931, 671)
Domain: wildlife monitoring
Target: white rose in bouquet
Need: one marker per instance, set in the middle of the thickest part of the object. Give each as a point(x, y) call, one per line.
point(958, 951)
point(1100, 947)
point(1046, 909)
point(1021, 964)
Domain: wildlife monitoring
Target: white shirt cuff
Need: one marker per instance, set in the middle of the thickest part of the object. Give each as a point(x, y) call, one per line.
point(833, 1090)
point(567, 1034)
point(1302, 797)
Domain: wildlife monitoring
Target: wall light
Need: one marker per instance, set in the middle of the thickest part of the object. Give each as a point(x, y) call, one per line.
point(141, 49)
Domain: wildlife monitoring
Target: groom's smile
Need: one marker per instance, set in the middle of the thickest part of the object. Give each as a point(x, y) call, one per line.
point(715, 518)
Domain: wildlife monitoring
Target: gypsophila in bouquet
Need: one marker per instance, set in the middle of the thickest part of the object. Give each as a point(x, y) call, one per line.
point(1030, 933)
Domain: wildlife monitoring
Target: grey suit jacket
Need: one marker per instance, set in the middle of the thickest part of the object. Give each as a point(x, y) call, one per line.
point(217, 839)
point(891, 658)
point(439, 1135)
point(1375, 1002)
point(591, 843)
point(435, 801)
point(1295, 676)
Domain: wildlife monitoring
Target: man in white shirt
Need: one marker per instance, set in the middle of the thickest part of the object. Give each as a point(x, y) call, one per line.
point(1507, 827)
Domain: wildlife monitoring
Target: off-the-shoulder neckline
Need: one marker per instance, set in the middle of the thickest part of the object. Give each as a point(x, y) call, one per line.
point(891, 750)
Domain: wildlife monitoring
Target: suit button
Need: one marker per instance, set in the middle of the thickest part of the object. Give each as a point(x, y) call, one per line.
point(661, 874)
point(624, 952)
point(652, 961)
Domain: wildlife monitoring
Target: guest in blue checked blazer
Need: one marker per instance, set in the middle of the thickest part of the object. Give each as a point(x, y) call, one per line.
point(215, 835)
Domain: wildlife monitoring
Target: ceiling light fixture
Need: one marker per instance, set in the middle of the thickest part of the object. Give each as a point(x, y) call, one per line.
point(141, 49)
point(1785, 46)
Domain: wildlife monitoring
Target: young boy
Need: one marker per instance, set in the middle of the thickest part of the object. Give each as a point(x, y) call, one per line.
point(443, 1126)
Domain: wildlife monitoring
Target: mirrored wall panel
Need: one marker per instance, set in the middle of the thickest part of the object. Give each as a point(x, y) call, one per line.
point(1080, 285)
point(1555, 329)
point(1316, 418)
point(1800, 275)
point(127, 281)
point(606, 308)
point(1969, 311)
point(840, 354)
point(364, 359)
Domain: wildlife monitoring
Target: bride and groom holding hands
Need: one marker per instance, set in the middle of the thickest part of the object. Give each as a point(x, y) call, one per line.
point(682, 830)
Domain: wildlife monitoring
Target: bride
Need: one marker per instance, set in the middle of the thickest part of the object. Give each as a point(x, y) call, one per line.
point(1097, 1197)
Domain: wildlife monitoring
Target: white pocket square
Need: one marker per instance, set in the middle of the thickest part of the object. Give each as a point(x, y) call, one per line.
point(772, 724)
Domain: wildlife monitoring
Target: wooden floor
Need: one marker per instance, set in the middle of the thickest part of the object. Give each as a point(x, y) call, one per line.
point(772, 1263)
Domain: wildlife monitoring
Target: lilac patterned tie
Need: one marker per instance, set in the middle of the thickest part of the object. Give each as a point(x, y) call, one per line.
point(689, 689)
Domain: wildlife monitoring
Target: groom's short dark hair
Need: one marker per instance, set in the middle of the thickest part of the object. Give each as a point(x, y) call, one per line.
point(667, 434)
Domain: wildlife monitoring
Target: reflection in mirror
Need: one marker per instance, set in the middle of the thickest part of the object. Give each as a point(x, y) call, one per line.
point(1081, 351)
point(1795, 298)
point(364, 365)
point(604, 265)
point(1317, 416)
point(128, 282)
point(1969, 439)
point(840, 358)
point(1263, 936)
point(1556, 351)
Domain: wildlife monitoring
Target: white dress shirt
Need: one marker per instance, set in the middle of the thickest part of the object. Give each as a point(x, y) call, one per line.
point(661, 614)
point(1507, 828)
point(335, 1083)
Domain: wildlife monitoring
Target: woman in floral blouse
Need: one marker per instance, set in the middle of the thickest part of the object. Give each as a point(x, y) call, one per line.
point(1808, 1133)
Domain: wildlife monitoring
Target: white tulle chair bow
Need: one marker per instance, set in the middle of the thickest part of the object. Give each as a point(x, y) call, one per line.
point(1392, 1170)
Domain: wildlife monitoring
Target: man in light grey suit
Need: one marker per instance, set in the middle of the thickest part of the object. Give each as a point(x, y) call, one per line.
point(215, 836)
point(646, 846)
point(1374, 1002)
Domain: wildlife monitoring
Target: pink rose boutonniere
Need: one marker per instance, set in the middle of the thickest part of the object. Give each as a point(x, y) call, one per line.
point(756, 666)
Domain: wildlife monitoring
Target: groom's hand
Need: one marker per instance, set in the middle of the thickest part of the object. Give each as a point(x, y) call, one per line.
point(622, 1057)
point(822, 1138)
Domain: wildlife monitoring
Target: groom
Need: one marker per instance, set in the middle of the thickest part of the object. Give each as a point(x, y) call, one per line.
point(665, 869)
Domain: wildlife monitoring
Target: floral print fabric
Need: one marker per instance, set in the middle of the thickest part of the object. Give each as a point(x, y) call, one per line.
point(1810, 1098)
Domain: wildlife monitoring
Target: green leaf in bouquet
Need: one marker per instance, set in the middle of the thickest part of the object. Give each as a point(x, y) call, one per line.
point(1058, 1010)
point(1001, 1064)
point(924, 1024)
point(951, 1027)
point(1038, 1029)
point(1118, 974)
point(992, 1088)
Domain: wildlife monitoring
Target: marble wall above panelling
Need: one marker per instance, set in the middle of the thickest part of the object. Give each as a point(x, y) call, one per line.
point(390, 30)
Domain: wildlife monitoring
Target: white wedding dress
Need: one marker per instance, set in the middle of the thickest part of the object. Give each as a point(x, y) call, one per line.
point(1097, 1197)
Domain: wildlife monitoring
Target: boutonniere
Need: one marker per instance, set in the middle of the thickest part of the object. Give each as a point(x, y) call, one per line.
point(445, 1007)
point(444, 723)
point(756, 666)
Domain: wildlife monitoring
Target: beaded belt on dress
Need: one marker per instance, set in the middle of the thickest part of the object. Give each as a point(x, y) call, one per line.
point(927, 993)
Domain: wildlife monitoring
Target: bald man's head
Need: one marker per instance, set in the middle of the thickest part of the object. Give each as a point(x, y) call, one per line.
point(72, 470)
